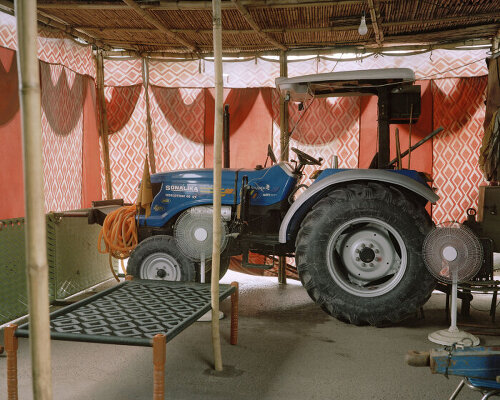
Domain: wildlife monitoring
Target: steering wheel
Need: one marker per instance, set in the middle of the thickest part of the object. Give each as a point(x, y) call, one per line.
point(306, 159)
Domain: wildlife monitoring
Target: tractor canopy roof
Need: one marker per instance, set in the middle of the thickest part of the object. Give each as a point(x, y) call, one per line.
point(345, 83)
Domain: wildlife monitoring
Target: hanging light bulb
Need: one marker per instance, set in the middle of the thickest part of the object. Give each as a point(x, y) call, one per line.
point(363, 29)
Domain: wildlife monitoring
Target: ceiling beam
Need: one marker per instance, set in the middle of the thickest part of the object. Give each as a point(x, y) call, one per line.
point(196, 5)
point(476, 18)
point(375, 15)
point(328, 51)
point(153, 21)
point(244, 12)
point(481, 31)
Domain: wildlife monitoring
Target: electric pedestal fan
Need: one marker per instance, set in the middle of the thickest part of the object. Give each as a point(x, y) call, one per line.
point(193, 234)
point(453, 254)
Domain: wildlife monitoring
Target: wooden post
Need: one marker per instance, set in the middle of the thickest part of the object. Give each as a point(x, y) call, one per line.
point(219, 93)
point(103, 123)
point(159, 358)
point(284, 156)
point(234, 314)
point(149, 130)
point(37, 268)
point(10, 342)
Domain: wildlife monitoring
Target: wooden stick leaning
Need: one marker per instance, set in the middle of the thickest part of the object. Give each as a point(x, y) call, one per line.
point(398, 149)
point(37, 268)
point(217, 31)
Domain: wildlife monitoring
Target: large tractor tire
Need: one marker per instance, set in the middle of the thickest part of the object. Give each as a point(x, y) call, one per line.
point(158, 257)
point(358, 254)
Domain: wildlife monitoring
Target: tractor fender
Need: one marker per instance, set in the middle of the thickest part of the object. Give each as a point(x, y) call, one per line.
point(307, 199)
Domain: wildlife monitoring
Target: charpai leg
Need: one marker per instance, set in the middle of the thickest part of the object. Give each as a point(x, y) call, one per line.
point(11, 345)
point(159, 358)
point(234, 314)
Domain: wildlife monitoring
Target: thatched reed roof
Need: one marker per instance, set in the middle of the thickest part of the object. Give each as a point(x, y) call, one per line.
point(185, 26)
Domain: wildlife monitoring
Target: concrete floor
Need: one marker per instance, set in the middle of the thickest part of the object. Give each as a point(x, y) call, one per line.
point(288, 349)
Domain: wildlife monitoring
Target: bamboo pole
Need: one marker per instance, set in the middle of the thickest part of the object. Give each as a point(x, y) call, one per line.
point(219, 93)
point(37, 268)
point(149, 130)
point(375, 15)
point(284, 139)
point(103, 123)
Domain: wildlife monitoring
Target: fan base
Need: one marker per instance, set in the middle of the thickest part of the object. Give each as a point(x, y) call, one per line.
point(448, 338)
point(208, 316)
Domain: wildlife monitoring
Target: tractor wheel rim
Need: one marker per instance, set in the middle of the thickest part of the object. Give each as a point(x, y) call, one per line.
point(160, 266)
point(366, 257)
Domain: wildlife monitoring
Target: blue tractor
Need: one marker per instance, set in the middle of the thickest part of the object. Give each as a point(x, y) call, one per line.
point(356, 235)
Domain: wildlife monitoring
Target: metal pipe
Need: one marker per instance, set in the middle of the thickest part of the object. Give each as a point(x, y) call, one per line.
point(453, 317)
point(36, 235)
point(227, 161)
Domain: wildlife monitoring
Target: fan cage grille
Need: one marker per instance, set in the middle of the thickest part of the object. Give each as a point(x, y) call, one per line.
point(185, 235)
point(469, 256)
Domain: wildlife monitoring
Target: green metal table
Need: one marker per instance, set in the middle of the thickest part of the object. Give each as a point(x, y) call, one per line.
point(133, 313)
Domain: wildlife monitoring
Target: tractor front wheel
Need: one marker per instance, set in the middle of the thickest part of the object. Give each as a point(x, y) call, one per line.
point(359, 254)
point(159, 258)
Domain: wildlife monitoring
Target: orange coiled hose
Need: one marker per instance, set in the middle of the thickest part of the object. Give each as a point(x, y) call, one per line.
point(119, 234)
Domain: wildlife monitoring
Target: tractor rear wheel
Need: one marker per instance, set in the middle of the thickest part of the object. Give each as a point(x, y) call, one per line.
point(159, 258)
point(359, 256)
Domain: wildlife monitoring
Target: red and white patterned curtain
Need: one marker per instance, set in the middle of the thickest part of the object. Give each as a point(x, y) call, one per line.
point(63, 95)
point(66, 68)
point(459, 108)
